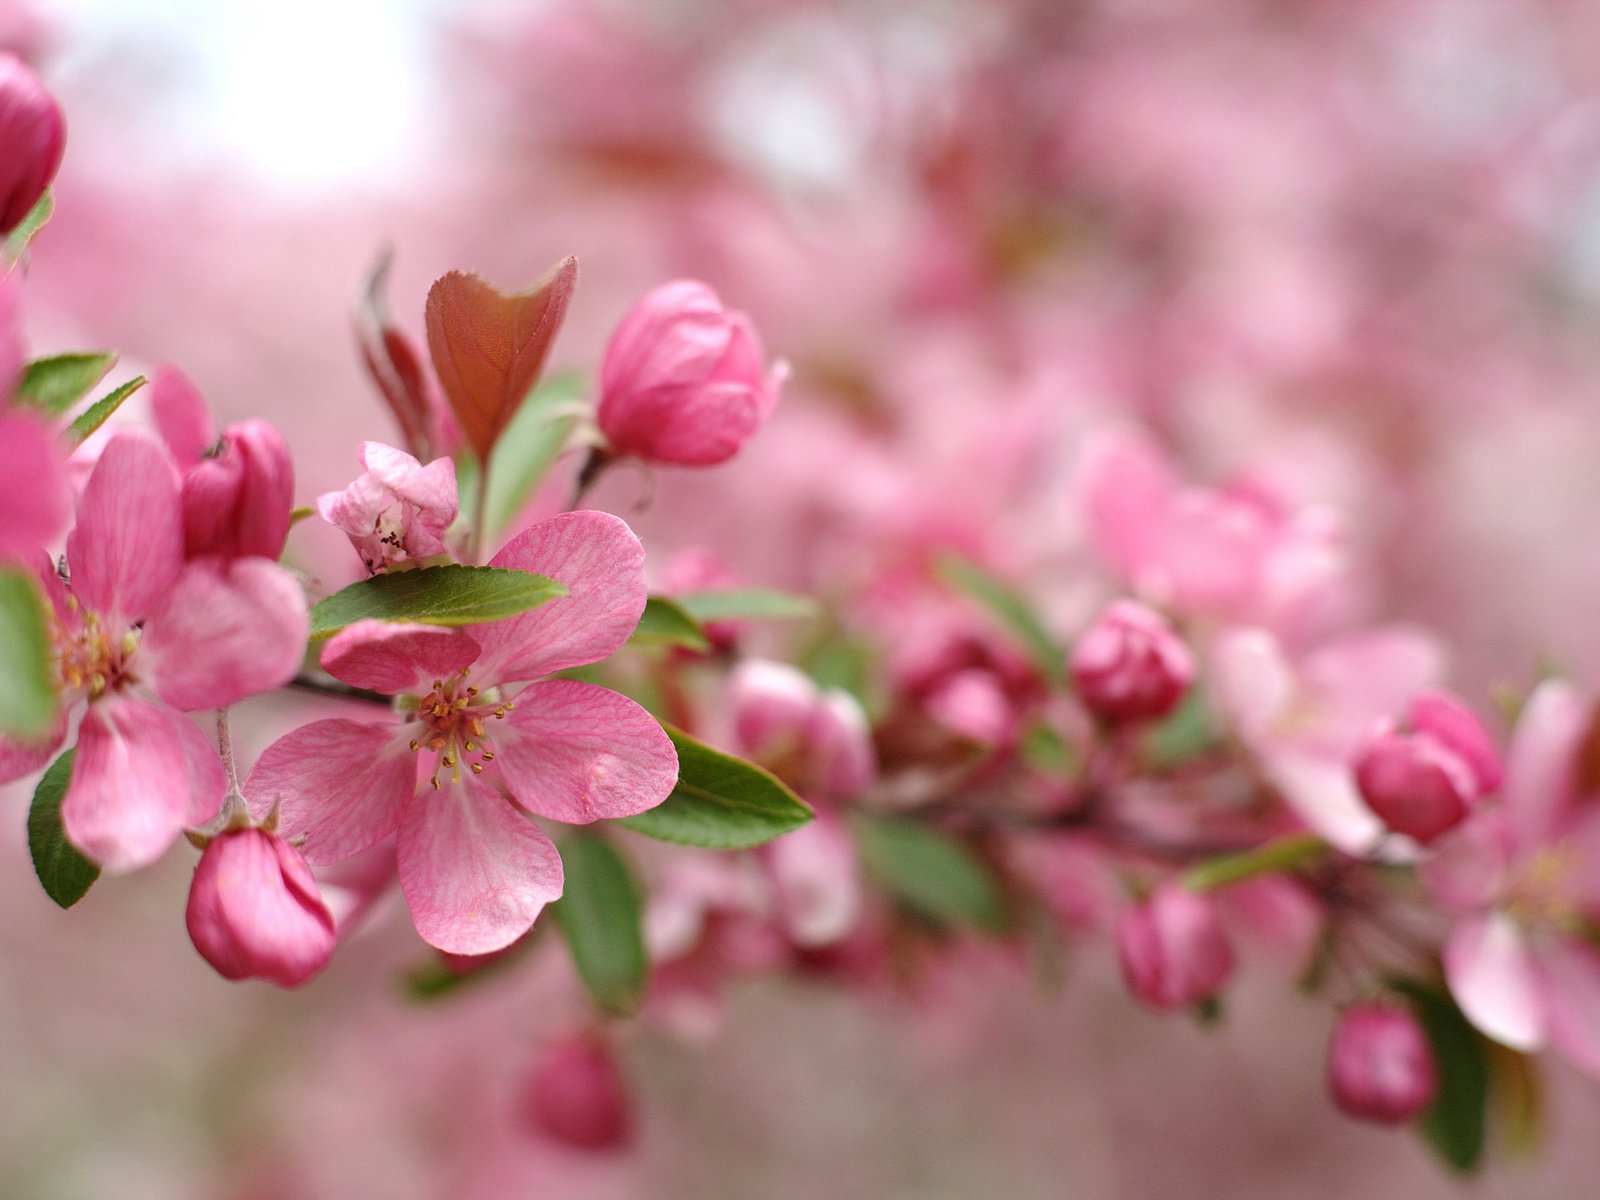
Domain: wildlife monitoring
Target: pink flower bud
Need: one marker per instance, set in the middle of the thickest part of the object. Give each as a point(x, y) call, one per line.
point(1424, 782)
point(33, 135)
point(818, 740)
point(577, 1095)
point(1379, 1065)
point(254, 910)
point(237, 503)
point(398, 510)
point(684, 380)
point(1173, 949)
point(1131, 665)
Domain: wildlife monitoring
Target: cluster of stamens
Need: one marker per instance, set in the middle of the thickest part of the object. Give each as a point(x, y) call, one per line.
point(90, 660)
point(453, 719)
point(1542, 892)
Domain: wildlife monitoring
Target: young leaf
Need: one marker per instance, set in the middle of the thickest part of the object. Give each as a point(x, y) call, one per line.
point(27, 688)
point(450, 595)
point(488, 348)
point(747, 604)
point(55, 384)
point(38, 216)
point(664, 623)
point(1181, 735)
point(600, 912)
point(1009, 608)
point(935, 874)
point(1454, 1126)
point(720, 802)
point(65, 874)
point(526, 451)
point(98, 413)
point(393, 364)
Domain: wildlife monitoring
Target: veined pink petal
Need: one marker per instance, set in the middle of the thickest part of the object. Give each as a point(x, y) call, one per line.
point(338, 784)
point(227, 630)
point(601, 563)
point(431, 487)
point(394, 659)
point(1493, 979)
point(127, 548)
point(129, 795)
point(35, 505)
point(181, 415)
point(1539, 766)
point(577, 753)
point(474, 869)
point(1571, 975)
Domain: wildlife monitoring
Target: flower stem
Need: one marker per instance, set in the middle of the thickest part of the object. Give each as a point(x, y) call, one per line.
point(1281, 854)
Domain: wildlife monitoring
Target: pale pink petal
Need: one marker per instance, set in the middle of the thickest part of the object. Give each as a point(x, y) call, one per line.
point(394, 659)
point(1126, 488)
point(338, 784)
point(1571, 974)
point(229, 628)
point(1322, 792)
point(1493, 979)
point(181, 415)
point(1539, 778)
point(601, 563)
point(129, 796)
point(577, 753)
point(474, 869)
point(13, 354)
point(127, 548)
point(1362, 677)
point(24, 758)
point(431, 488)
point(1250, 680)
point(1465, 869)
point(208, 782)
point(1212, 553)
point(35, 504)
point(818, 881)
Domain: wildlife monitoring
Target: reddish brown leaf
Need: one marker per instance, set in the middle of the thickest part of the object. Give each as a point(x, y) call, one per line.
point(489, 348)
point(394, 365)
point(1587, 775)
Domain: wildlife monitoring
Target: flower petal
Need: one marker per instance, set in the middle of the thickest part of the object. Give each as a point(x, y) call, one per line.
point(227, 630)
point(338, 784)
point(1539, 782)
point(181, 416)
point(24, 758)
point(577, 753)
point(34, 510)
point(394, 658)
point(1493, 979)
point(474, 869)
point(601, 563)
point(1571, 973)
point(127, 547)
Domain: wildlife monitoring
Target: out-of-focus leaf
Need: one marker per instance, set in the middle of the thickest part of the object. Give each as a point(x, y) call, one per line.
point(1046, 751)
point(56, 383)
point(1454, 1126)
point(98, 413)
point(38, 217)
point(937, 875)
point(394, 364)
point(1518, 1094)
point(747, 604)
point(66, 874)
point(449, 595)
point(1010, 610)
point(27, 685)
point(1184, 733)
point(1281, 854)
point(600, 911)
point(664, 623)
point(527, 449)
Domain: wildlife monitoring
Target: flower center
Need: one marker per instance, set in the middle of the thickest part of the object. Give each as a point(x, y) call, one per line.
point(453, 719)
point(92, 659)
point(1542, 892)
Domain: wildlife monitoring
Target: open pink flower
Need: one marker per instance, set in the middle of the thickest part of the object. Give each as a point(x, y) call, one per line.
point(142, 637)
point(474, 748)
point(398, 510)
point(1525, 878)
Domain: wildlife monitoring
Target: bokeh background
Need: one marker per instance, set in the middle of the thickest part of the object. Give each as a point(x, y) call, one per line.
point(1352, 246)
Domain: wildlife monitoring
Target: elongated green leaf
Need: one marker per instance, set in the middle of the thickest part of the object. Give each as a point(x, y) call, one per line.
point(747, 604)
point(98, 413)
point(448, 595)
point(65, 874)
point(1010, 610)
point(27, 688)
point(38, 217)
point(600, 914)
point(720, 802)
point(1454, 1126)
point(1182, 735)
point(664, 623)
point(56, 383)
point(530, 446)
point(935, 874)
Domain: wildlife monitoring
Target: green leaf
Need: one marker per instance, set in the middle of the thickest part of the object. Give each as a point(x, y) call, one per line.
point(1281, 854)
point(27, 683)
point(720, 802)
point(65, 874)
point(98, 413)
point(935, 874)
point(1007, 606)
point(1182, 735)
point(38, 216)
point(747, 604)
point(1046, 751)
point(530, 445)
point(600, 912)
point(1518, 1093)
point(664, 623)
point(1454, 1126)
point(56, 383)
point(448, 595)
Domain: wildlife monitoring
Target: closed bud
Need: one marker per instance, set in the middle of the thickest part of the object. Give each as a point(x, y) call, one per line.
point(576, 1095)
point(1173, 949)
point(1131, 665)
point(33, 135)
point(1424, 780)
point(255, 912)
point(684, 380)
point(819, 741)
point(237, 503)
point(1379, 1065)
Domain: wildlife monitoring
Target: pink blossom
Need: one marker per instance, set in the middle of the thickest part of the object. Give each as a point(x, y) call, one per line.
point(1423, 781)
point(37, 502)
point(142, 637)
point(1380, 1067)
point(33, 137)
point(817, 739)
point(1131, 665)
point(1172, 948)
point(254, 910)
point(684, 380)
point(577, 1095)
point(1524, 880)
point(398, 510)
point(474, 748)
point(700, 570)
point(816, 880)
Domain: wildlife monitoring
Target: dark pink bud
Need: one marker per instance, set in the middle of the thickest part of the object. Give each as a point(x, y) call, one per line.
point(1173, 949)
point(1131, 665)
point(33, 135)
point(254, 910)
point(1379, 1065)
point(1423, 782)
point(577, 1095)
point(684, 380)
point(238, 502)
